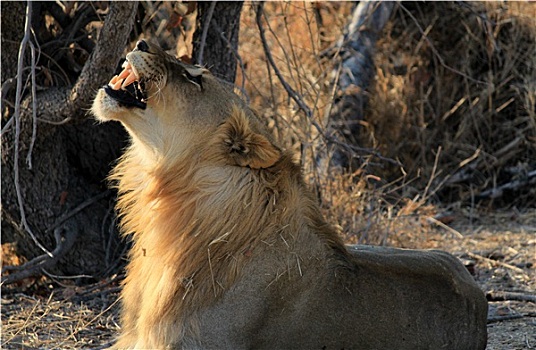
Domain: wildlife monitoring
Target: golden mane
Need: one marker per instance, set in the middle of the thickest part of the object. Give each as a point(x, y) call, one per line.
point(205, 220)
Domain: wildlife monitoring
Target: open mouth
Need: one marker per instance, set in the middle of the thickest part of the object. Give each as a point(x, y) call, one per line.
point(127, 88)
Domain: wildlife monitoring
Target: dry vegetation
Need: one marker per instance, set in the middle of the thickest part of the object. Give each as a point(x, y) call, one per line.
point(458, 104)
point(453, 104)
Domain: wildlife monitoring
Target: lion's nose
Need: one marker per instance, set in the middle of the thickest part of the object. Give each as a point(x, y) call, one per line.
point(142, 46)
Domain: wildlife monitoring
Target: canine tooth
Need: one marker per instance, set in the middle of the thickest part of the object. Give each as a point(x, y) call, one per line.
point(129, 80)
point(125, 64)
point(124, 73)
point(117, 85)
point(113, 80)
point(135, 71)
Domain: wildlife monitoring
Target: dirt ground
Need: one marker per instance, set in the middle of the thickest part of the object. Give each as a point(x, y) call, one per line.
point(500, 252)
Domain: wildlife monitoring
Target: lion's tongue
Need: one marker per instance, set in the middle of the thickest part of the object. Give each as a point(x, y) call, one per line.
point(123, 79)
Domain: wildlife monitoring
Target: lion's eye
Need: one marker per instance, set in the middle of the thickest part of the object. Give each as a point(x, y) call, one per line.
point(142, 46)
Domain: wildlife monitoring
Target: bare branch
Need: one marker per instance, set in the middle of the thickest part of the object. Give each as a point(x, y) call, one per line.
point(434, 50)
point(65, 238)
point(503, 296)
point(76, 210)
point(34, 108)
point(352, 76)
point(368, 20)
point(496, 263)
point(18, 97)
point(515, 184)
point(206, 25)
point(493, 319)
point(111, 43)
point(299, 101)
point(290, 91)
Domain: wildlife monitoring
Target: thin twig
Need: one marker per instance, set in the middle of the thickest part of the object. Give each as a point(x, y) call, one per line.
point(7, 85)
point(495, 262)
point(297, 98)
point(41, 120)
point(283, 50)
point(446, 227)
point(61, 122)
point(513, 185)
point(34, 108)
point(434, 50)
point(78, 209)
point(290, 91)
point(7, 125)
point(35, 261)
point(206, 25)
point(100, 285)
point(493, 319)
point(51, 275)
point(18, 97)
point(432, 176)
point(86, 325)
point(40, 262)
point(29, 318)
point(503, 296)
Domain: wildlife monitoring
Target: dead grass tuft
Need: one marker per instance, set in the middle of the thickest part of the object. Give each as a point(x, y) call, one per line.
point(55, 322)
point(457, 82)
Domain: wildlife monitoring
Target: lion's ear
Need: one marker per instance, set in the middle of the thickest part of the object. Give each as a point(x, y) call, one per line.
point(244, 146)
point(195, 76)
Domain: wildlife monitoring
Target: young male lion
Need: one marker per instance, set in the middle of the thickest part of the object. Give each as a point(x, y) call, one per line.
point(230, 250)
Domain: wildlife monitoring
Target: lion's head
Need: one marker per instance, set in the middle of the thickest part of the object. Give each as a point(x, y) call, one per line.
point(156, 97)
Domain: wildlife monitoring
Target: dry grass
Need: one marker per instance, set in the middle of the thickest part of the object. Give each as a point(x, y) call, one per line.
point(456, 83)
point(453, 101)
point(56, 322)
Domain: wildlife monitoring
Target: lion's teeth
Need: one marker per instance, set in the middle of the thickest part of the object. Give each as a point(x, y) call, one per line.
point(135, 72)
point(127, 76)
point(129, 80)
point(124, 73)
point(116, 85)
point(114, 80)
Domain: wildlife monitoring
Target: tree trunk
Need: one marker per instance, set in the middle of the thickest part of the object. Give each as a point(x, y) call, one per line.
point(56, 163)
point(355, 71)
point(66, 203)
point(216, 37)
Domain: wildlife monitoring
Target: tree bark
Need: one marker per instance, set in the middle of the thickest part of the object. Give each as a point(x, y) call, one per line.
point(64, 196)
point(216, 37)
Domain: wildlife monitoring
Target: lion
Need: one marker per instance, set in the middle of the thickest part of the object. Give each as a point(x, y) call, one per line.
point(230, 250)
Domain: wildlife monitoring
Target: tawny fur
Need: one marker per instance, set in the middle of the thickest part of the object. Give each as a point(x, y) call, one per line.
point(231, 251)
point(192, 223)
